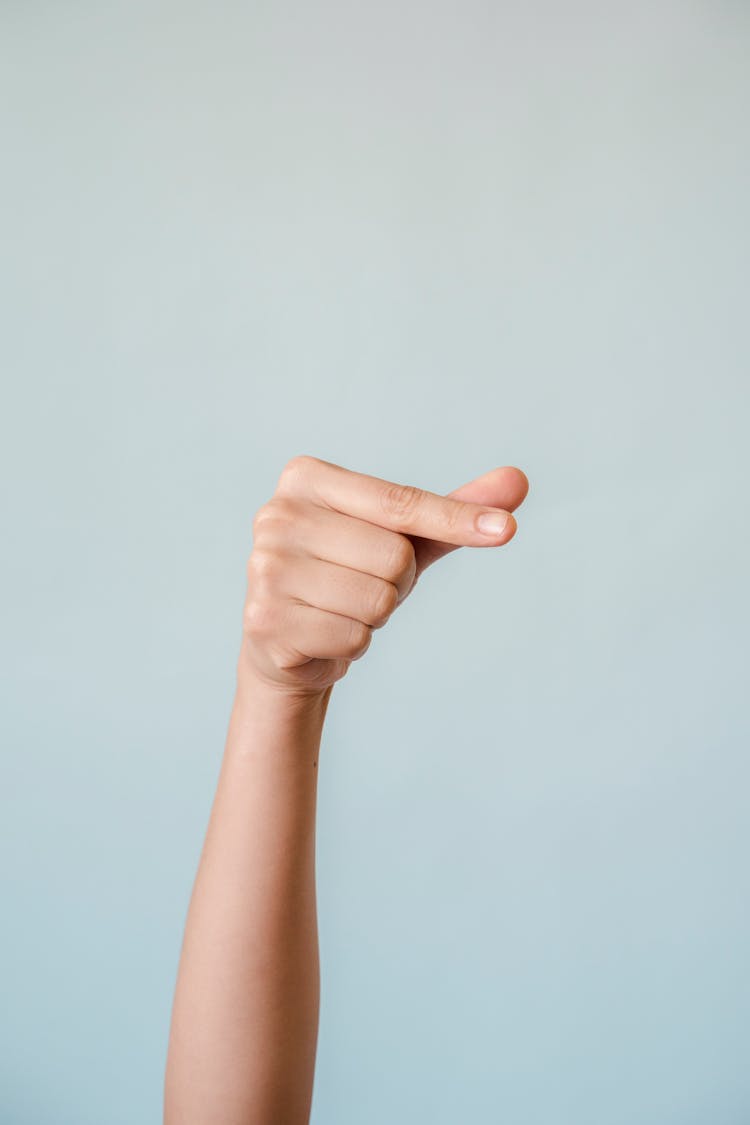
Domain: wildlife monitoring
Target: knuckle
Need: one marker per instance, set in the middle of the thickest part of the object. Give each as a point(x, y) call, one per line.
point(257, 617)
point(401, 560)
point(385, 601)
point(400, 500)
point(358, 641)
point(264, 592)
point(276, 515)
point(261, 516)
point(296, 470)
point(262, 566)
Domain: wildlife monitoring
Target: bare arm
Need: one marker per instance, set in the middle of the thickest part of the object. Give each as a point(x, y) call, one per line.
point(245, 1016)
point(335, 552)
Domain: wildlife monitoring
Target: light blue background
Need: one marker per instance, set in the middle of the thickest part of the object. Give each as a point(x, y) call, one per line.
point(419, 240)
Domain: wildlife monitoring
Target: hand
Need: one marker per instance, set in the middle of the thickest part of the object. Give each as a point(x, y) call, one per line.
point(335, 552)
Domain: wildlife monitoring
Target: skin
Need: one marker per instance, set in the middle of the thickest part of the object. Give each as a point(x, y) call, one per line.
point(334, 554)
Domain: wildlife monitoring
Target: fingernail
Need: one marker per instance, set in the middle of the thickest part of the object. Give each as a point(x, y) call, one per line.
point(492, 523)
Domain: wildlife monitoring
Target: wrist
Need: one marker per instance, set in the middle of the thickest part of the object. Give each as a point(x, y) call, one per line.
point(272, 718)
point(253, 688)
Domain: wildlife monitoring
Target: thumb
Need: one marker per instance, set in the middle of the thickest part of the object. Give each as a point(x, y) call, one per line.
point(505, 487)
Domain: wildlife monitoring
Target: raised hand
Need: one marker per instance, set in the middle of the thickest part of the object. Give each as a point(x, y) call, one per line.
point(335, 552)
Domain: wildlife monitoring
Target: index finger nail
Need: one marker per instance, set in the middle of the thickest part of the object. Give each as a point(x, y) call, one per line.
point(492, 523)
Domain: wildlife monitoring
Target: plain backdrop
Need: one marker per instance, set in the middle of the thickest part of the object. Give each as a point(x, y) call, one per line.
point(420, 241)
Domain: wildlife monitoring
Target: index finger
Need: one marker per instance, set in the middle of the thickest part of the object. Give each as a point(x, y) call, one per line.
point(399, 507)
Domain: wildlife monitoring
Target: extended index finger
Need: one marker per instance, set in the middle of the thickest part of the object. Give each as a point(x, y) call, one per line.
point(399, 507)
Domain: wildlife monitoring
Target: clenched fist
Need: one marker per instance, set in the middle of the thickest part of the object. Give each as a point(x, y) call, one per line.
point(335, 552)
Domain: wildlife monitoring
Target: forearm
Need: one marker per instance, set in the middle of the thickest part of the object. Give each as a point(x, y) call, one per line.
point(245, 1017)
